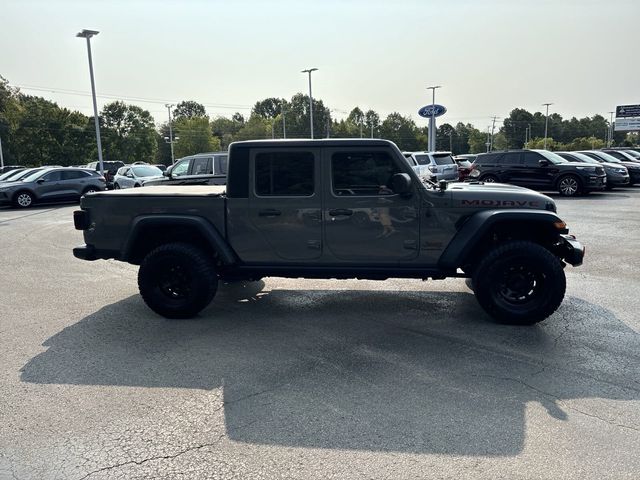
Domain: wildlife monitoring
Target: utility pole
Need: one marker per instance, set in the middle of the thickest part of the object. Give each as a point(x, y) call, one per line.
point(328, 127)
point(88, 34)
point(432, 120)
point(284, 122)
point(309, 70)
point(169, 106)
point(372, 128)
point(488, 137)
point(451, 141)
point(546, 123)
point(361, 125)
point(493, 126)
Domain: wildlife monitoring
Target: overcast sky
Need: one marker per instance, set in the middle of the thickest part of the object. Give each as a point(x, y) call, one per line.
point(489, 56)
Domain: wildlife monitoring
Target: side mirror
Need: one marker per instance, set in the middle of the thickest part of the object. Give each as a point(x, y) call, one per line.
point(167, 173)
point(543, 163)
point(401, 184)
point(40, 180)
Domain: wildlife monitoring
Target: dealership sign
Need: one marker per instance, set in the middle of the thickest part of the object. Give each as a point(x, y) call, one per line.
point(429, 111)
point(627, 118)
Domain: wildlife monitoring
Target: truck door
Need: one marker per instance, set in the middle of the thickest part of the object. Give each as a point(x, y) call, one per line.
point(285, 204)
point(364, 219)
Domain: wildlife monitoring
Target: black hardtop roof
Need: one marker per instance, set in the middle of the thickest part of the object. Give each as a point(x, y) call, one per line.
point(321, 142)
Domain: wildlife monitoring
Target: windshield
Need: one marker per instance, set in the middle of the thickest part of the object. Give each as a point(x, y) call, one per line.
point(583, 158)
point(147, 171)
point(552, 157)
point(633, 153)
point(32, 175)
point(10, 174)
point(604, 157)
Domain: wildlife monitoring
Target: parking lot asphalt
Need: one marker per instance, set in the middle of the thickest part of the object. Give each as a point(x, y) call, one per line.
point(311, 379)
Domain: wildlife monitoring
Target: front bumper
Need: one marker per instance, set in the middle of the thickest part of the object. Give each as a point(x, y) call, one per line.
point(571, 250)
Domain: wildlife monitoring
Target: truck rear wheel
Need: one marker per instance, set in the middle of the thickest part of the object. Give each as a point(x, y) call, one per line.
point(519, 283)
point(177, 280)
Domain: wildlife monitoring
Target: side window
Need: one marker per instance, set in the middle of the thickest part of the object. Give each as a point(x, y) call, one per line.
point(512, 158)
point(362, 173)
point(53, 176)
point(284, 174)
point(73, 175)
point(531, 159)
point(201, 166)
point(181, 168)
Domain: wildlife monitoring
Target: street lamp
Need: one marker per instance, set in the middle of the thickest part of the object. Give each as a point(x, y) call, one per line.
point(432, 120)
point(546, 123)
point(309, 70)
point(88, 34)
point(169, 105)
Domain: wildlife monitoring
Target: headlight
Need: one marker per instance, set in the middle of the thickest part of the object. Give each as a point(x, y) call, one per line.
point(587, 169)
point(433, 168)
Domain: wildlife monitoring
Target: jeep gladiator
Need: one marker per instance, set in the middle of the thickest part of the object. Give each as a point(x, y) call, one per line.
point(338, 209)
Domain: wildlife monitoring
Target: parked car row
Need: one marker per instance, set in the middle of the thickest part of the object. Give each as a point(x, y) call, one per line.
point(570, 173)
point(200, 169)
point(23, 187)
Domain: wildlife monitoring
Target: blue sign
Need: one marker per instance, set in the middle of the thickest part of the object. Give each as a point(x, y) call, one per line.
point(429, 111)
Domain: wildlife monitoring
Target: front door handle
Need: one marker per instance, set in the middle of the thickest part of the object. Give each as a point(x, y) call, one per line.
point(269, 212)
point(340, 211)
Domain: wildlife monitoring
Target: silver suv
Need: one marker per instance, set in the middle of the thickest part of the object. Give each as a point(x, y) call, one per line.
point(433, 164)
point(51, 184)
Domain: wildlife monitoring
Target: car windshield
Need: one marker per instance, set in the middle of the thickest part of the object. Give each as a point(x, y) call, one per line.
point(10, 174)
point(633, 153)
point(583, 158)
point(552, 157)
point(147, 171)
point(32, 175)
point(605, 157)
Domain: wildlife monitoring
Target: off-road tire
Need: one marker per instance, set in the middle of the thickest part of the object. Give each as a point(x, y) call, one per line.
point(23, 199)
point(519, 283)
point(570, 186)
point(177, 280)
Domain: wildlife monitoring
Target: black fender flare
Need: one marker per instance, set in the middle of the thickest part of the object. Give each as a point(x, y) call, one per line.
point(202, 225)
point(474, 229)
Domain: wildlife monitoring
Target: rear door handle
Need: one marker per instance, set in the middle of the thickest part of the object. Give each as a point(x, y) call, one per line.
point(269, 212)
point(340, 211)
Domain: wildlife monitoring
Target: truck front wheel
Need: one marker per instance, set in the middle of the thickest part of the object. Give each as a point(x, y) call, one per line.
point(177, 280)
point(519, 283)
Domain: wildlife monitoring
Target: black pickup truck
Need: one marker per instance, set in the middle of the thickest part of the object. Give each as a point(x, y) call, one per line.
point(333, 209)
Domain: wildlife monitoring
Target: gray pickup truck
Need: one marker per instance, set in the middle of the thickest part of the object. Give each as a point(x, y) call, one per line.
point(333, 209)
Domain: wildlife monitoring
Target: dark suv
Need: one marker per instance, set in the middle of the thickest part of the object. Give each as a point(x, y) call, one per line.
point(540, 170)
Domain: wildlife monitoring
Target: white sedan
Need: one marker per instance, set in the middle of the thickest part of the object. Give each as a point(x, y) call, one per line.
point(135, 176)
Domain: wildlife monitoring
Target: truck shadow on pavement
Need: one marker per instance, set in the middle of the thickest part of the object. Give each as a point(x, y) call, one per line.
point(418, 372)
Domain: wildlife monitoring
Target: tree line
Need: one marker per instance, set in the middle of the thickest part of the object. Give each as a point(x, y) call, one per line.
point(35, 131)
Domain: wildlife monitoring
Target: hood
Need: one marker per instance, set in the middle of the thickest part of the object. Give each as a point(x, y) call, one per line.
point(498, 195)
point(11, 184)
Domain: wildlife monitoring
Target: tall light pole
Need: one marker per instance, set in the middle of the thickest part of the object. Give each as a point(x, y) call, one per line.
point(284, 121)
point(432, 120)
point(169, 105)
point(546, 123)
point(309, 70)
point(88, 34)
point(611, 130)
point(1, 155)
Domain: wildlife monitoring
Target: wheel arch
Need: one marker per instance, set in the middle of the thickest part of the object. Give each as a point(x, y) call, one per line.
point(484, 229)
point(151, 231)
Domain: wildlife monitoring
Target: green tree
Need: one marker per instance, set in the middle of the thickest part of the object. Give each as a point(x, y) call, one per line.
point(477, 141)
point(128, 133)
point(189, 109)
point(194, 136)
point(269, 107)
point(256, 128)
point(402, 131)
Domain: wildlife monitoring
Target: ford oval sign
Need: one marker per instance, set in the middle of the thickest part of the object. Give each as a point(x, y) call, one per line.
point(429, 111)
